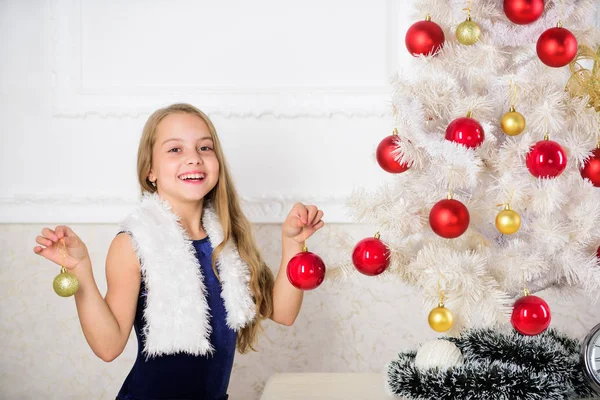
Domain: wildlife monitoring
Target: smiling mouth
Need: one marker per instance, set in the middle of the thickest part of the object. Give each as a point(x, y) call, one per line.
point(192, 178)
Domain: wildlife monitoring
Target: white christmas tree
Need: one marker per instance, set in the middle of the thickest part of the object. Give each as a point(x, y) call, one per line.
point(482, 271)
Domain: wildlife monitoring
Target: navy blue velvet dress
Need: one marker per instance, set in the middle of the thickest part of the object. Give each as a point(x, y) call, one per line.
point(182, 376)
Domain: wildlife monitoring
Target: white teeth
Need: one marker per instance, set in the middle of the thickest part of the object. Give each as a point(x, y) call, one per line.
point(191, 176)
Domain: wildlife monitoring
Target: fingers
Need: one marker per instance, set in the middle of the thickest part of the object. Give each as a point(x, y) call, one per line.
point(301, 212)
point(42, 251)
point(308, 231)
point(312, 213)
point(317, 218)
point(49, 237)
point(317, 226)
point(308, 215)
point(50, 234)
point(46, 240)
point(63, 231)
point(43, 241)
point(48, 253)
point(66, 234)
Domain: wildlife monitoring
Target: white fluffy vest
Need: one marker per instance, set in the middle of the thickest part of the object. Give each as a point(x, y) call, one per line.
point(176, 312)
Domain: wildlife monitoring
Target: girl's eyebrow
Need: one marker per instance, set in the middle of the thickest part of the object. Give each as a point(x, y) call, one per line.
point(171, 140)
point(180, 140)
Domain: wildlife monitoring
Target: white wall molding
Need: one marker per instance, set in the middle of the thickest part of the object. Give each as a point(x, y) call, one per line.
point(80, 92)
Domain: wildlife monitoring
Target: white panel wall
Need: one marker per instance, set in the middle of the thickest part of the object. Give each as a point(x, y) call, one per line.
point(299, 94)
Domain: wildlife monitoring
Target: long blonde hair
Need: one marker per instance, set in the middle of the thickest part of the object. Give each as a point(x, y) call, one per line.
point(235, 225)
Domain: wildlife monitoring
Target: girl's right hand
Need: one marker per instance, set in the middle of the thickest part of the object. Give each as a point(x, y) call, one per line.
point(61, 246)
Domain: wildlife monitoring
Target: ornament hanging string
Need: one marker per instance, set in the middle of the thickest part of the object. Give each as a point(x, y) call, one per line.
point(440, 290)
point(561, 13)
point(525, 290)
point(468, 8)
point(512, 94)
point(449, 187)
point(304, 247)
point(62, 251)
point(509, 200)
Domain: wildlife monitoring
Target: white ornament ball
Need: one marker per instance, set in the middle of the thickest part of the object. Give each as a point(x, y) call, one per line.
point(438, 353)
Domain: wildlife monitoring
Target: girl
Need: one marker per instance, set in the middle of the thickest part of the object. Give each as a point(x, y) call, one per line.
point(184, 270)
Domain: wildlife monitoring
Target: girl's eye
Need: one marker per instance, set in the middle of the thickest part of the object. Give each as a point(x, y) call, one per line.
point(174, 150)
point(205, 148)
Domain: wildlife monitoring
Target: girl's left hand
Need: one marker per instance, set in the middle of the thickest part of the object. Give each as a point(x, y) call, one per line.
point(300, 216)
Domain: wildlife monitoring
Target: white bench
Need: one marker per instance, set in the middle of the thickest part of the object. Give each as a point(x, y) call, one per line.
point(326, 386)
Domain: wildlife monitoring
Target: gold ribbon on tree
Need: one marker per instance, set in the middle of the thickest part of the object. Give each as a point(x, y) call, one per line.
point(583, 81)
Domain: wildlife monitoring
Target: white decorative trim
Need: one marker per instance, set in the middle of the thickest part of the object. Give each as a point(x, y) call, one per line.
point(73, 100)
point(65, 209)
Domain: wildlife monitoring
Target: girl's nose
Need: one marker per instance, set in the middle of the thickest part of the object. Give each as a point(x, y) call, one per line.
point(194, 159)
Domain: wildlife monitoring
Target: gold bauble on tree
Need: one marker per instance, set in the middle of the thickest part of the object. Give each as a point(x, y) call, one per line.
point(65, 284)
point(508, 221)
point(440, 318)
point(468, 32)
point(513, 122)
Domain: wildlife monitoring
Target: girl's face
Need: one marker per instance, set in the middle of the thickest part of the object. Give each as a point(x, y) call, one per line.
point(184, 163)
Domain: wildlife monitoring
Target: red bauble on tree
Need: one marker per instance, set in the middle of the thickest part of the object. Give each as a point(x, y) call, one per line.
point(531, 315)
point(387, 152)
point(598, 252)
point(466, 131)
point(449, 218)
point(371, 256)
point(556, 47)
point(424, 38)
point(591, 168)
point(523, 12)
point(306, 270)
point(546, 159)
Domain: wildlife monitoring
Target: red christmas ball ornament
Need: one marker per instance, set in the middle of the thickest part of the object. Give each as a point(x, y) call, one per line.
point(546, 159)
point(531, 315)
point(598, 252)
point(306, 270)
point(523, 12)
point(591, 168)
point(556, 47)
point(385, 155)
point(424, 38)
point(466, 131)
point(449, 218)
point(371, 256)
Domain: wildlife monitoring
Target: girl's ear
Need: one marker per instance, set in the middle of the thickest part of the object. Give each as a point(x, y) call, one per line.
point(151, 176)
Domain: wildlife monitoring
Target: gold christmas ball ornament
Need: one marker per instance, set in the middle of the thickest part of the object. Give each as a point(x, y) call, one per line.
point(513, 122)
point(65, 284)
point(508, 221)
point(440, 318)
point(468, 32)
